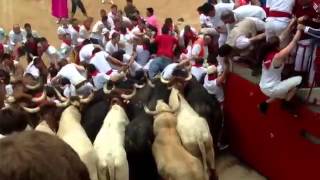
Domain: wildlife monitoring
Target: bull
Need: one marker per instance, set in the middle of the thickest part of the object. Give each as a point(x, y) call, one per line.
point(71, 131)
point(139, 133)
point(109, 143)
point(173, 161)
point(194, 132)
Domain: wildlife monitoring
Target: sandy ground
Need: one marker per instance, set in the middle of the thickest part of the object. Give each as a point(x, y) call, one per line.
point(38, 13)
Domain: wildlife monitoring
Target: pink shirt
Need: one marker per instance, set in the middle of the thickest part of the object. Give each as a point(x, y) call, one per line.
point(153, 21)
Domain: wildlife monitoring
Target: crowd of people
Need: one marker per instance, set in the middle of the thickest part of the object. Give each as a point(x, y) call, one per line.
point(92, 53)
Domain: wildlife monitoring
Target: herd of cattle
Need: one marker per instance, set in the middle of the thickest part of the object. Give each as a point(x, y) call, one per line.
point(131, 129)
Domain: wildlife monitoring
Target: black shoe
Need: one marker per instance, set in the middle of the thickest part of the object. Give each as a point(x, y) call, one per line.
point(264, 107)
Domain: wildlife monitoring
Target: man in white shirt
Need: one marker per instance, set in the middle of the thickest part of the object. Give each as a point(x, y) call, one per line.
point(16, 36)
point(98, 78)
point(214, 12)
point(279, 16)
point(63, 29)
point(49, 50)
point(84, 32)
point(73, 73)
point(28, 30)
point(85, 53)
point(242, 12)
point(113, 45)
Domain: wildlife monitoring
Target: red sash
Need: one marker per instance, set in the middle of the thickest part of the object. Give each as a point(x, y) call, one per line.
point(279, 14)
point(109, 72)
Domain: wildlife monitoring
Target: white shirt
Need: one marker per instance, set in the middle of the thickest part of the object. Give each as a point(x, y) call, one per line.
point(143, 55)
point(62, 30)
point(65, 51)
point(84, 33)
point(220, 7)
point(282, 6)
point(168, 70)
point(99, 60)
point(69, 90)
point(206, 21)
point(196, 49)
point(99, 80)
point(134, 66)
point(52, 54)
point(32, 69)
point(74, 35)
point(17, 38)
point(198, 72)
point(249, 11)
point(212, 88)
point(270, 77)
point(70, 72)
point(86, 53)
point(110, 48)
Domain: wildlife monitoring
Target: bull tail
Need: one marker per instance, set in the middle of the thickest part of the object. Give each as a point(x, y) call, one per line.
point(204, 158)
point(111, 171)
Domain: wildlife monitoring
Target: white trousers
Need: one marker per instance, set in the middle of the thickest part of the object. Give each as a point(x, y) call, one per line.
point(274, 27)
point(281, 89)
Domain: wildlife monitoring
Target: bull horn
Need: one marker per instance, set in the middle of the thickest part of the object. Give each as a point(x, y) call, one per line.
point(31, 110)
point(148, 111)
point(41, 98)
point(63, 104)
point(33, 87)
point(150, 83)
point(176, 105)
point(164, 81)
point(106, 90)
point(62, 98)
point(189, 77)
point(87, 99)
point(129, 96)
point(136, 85)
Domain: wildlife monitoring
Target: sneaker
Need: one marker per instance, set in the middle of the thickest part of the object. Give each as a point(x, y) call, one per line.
point(264, 107)
point(103, 1)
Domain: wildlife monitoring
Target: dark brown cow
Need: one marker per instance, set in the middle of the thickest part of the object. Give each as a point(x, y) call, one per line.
point(35, 155)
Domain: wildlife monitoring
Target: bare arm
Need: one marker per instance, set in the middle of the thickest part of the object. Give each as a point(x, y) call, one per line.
point(115, 61)
point(257, 38)
point(279, 57)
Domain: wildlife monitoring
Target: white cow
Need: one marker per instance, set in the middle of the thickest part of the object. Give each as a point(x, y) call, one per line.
point(71, 131)
point(194, 131)
point(109, 145)
point(173, 160)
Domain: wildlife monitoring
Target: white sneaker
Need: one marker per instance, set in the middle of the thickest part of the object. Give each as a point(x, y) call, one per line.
point(103, 1)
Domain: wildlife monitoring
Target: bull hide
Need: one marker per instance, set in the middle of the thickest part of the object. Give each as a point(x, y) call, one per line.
point(206, 106)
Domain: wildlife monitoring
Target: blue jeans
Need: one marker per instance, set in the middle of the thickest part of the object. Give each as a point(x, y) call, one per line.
point(157, 66)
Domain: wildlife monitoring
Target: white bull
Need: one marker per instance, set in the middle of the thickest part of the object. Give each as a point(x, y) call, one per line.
point(109, 145)
point(194, 131)
point(173, 160)
point(71, 131)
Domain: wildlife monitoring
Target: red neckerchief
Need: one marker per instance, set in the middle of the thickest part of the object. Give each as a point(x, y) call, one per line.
point(197, 65)
point(94, 73)
point(1, 47)
point(212, 77)
point(269, 58)
point(67, 41)
point(77, 28)
point(189, 36)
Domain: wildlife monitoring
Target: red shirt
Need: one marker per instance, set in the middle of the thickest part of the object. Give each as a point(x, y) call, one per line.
point(165, 44)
